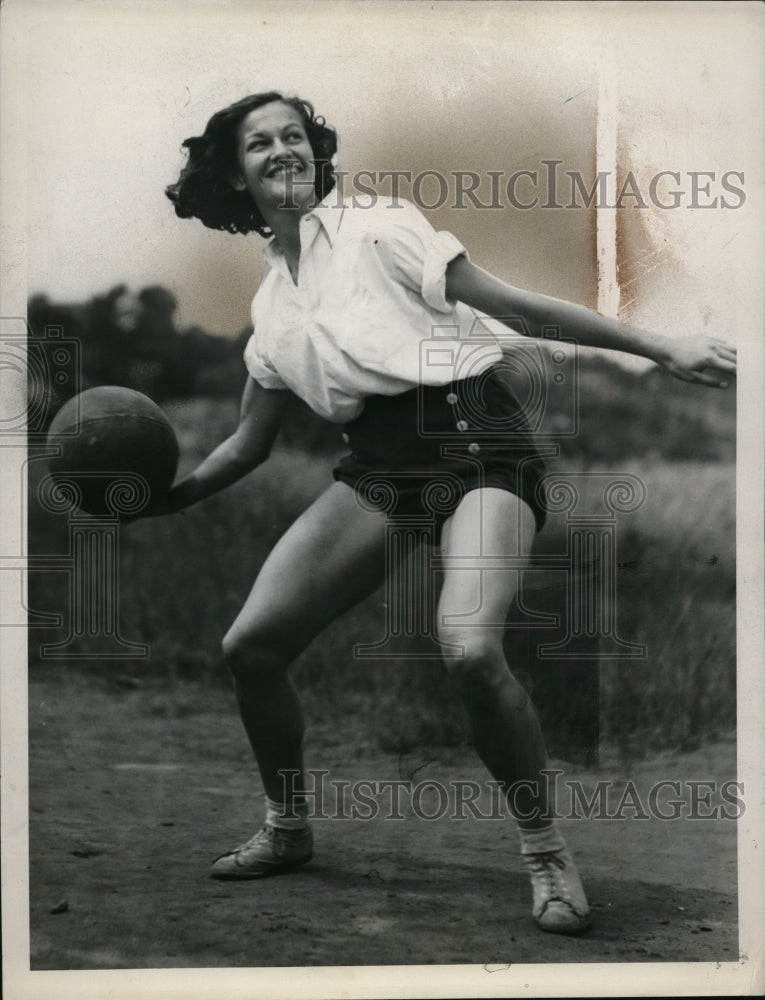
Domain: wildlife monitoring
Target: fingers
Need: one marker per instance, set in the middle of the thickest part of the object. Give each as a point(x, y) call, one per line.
point(721, 365)
point(727, 353)
point(718, 366)
point(709, 378)
point(717, 376)
point(709, 362)
point(721, 348)
point(717, 373)
point(721, 343)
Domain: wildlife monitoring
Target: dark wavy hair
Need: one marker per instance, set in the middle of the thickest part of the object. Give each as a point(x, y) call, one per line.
point(203, 190)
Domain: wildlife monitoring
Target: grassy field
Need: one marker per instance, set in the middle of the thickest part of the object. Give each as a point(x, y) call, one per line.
point(183, 579)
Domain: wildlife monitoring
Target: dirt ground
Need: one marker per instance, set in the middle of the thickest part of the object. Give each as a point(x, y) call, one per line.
point(133, 793)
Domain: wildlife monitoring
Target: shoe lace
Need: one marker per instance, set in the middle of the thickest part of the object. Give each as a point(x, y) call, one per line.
point(278, 838)
point(548, 865)
point(266, 832)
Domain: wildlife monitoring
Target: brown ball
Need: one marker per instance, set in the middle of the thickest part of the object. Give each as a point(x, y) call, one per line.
point(107, 436)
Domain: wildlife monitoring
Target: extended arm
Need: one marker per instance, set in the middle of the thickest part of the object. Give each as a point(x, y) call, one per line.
point(249, 446)
point(694, 359)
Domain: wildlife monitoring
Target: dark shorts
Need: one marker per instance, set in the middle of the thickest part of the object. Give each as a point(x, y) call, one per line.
point(415, 455)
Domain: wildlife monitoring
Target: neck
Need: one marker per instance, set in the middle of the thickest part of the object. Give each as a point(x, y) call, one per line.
point(284, 223)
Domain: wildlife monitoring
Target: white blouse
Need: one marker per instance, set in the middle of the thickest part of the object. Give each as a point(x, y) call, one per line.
point(369, 313)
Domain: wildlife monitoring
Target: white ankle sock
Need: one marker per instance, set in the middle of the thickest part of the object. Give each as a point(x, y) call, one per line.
point(287, 817)
point(541, 841)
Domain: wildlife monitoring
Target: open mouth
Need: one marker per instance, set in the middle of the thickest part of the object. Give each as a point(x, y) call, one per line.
point(282, 169)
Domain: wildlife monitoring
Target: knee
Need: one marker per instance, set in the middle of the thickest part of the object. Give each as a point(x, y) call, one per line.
point(255, 653)
point(472, 656)
point(477, 662)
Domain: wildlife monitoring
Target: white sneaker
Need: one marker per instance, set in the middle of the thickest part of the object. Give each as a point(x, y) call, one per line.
point(560, 905)
point(271, 851)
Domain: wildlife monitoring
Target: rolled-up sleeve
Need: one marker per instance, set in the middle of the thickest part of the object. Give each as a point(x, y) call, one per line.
point(259, 368)
point(418, 256)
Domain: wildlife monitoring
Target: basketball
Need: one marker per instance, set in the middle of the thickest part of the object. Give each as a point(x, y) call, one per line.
point(107, 437)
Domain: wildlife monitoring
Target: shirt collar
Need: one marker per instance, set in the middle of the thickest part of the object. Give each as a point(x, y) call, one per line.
point(329, 212)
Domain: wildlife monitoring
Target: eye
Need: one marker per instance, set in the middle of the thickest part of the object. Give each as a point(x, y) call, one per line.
point(255, 144)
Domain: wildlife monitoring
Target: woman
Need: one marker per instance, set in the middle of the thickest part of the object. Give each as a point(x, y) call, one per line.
point(349, 299)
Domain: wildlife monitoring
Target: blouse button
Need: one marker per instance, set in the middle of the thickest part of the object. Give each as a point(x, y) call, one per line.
point(474, 448)
point(462, 425)
point(451, 398)
point(346, 439)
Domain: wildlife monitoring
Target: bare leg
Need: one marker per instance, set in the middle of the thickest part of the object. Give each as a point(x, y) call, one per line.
point(471, 615)
point(273, 720)
point(330, 558)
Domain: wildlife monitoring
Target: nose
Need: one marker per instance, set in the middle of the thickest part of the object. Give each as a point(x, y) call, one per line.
point(279, 149)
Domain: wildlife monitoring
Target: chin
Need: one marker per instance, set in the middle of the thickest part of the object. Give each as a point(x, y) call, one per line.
point(295, 199)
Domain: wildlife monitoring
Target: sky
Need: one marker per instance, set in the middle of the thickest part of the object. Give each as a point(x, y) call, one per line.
point(103, 95)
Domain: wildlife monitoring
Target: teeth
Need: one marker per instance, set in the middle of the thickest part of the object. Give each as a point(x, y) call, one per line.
point(292, 168)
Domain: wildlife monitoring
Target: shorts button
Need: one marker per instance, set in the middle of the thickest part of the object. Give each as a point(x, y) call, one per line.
point(462, 425)
point(346, 439)
point(451, 398)
point(474, 448)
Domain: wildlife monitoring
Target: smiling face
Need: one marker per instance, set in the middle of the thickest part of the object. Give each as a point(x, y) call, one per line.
point(275, 159)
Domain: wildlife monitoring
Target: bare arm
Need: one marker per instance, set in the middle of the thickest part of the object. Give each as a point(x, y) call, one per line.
point(693, 359)
point(249, 446)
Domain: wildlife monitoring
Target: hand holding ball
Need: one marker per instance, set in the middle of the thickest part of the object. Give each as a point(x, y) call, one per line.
point(110, 436)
